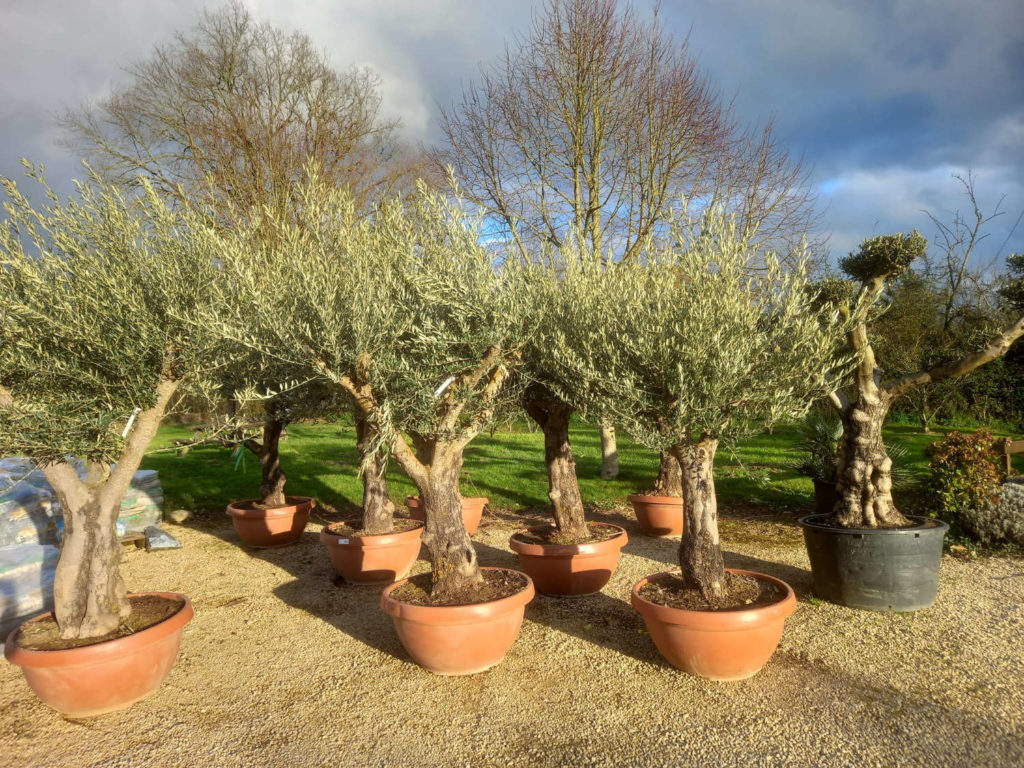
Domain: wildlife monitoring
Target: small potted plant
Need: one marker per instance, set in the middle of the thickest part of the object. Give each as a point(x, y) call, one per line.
point(660, 510)
point(675, 391)
point(273, 519)
point(572, 557)
point(378, 548)
point(92, 354)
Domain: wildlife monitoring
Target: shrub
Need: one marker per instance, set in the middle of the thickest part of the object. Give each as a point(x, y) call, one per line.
point(965, 477)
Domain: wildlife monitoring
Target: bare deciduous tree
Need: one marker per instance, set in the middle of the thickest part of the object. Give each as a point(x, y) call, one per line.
point(598, 124)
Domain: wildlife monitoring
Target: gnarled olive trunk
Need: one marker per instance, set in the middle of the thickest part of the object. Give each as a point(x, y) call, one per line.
point(563, 489)
point(89, 593)
point(609, 451)
point(273, 478)
point(864, 481)
point(670, 476)
point(700, 553)
point(378, 509)
point(453, 562)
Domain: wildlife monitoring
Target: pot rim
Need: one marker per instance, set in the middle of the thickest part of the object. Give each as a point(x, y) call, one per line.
point(261, 514)
point(104, 651)
point(645, 498)
point(457, 614)
point(373, 540)
point(568, 550)
point(810, 522)
point(414, 501)
point(737, 619)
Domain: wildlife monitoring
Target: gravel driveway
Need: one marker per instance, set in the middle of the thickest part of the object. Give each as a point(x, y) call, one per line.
point(280, 667)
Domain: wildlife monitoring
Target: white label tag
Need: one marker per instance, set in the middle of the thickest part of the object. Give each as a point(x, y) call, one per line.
point(343, 541)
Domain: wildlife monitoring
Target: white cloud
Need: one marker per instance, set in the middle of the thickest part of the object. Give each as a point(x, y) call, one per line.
point(862, 203)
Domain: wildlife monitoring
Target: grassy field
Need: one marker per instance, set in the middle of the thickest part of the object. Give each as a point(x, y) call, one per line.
point(507, 467)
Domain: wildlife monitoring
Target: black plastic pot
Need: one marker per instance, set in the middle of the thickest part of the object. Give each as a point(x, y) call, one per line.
point(877, 569)
point(824, 497)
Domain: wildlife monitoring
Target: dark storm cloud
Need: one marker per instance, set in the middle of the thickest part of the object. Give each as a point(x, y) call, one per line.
point(886, 100)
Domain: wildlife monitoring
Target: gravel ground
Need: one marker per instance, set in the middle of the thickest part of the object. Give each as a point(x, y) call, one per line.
point(282, 668)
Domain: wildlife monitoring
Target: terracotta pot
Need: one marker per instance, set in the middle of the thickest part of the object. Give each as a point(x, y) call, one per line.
point(377, 559)
point(717, 645)
point(458, 639)
point(570, 569)
point(107, 676)
point(273, 527)
point(472, 511)
point(658, 515)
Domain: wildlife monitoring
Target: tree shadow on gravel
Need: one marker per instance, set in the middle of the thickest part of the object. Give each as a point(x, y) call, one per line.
point(600, 619)
point(316, 589)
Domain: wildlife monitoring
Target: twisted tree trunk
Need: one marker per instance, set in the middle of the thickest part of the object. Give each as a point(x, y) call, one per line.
point(273, 477)
point(89, 594)
point(700, 553)
point(453, 562)
point(864, 475)
point(609, 451)
point(563, 488)
point(378, 509)
point(670, 476)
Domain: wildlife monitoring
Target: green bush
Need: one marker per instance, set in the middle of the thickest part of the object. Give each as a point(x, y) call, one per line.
point(965, 477)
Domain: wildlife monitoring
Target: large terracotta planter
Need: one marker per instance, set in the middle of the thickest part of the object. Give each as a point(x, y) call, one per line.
point(717, 645)
point(472, 511)
point(458, 639)
point(377, 559)
point(107, 676)
point(272, 527)
point(658, 515)
point(573, 569)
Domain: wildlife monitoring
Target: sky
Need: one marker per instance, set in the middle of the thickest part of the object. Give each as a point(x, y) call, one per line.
point(885, 101)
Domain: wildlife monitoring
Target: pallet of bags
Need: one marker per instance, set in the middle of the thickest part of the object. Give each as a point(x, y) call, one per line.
point(29, 515)
point(26, 583)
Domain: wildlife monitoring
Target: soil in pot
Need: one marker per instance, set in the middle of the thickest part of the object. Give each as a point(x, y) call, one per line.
point(724, 643)
point(563, 569)
point(472, 511)
point(740, 592)
point(106, 674)
point(147, 610)
point(375, 559)
point(460, 639)
point(877, 569)
point(658, 515)
point(261, 526)
point(497, 584)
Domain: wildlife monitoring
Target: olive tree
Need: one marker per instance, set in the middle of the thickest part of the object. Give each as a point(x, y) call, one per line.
point(406, 312)
point(235, 112)
point(92, 351)
point(864, 487)
point(597, 121)
point(690, 346)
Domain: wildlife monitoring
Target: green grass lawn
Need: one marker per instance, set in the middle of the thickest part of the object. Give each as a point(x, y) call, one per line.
point(508, 467)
